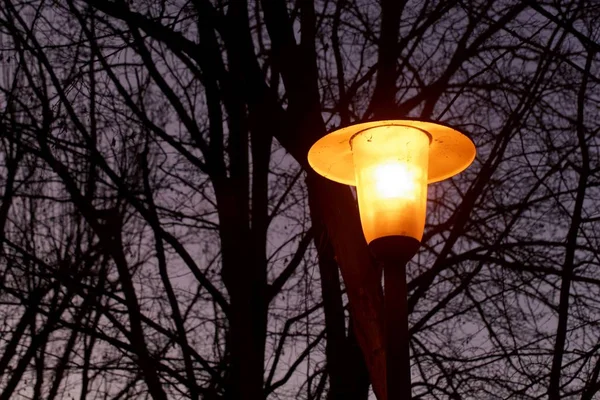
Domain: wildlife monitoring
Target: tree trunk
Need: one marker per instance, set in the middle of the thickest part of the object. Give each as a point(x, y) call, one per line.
point(245, 280)
point(362, 279)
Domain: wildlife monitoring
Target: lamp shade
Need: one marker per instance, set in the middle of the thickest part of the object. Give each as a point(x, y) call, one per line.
point(391, 162)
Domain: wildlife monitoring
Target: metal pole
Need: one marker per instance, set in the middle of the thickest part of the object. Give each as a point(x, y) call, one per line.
point(396, 332)
point(394, 252)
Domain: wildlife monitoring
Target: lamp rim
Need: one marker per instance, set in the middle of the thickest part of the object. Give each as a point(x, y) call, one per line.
point(450, 151)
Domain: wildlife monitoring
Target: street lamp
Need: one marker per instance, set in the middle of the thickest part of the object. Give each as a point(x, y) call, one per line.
point(391, 163)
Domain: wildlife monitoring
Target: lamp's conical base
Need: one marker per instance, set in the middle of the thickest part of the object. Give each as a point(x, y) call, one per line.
point(394, 249)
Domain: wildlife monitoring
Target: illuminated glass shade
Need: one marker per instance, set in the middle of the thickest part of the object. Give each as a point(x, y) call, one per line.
point(390, 164)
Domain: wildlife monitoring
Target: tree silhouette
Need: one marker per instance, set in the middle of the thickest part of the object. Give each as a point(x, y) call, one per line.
point(164, 237)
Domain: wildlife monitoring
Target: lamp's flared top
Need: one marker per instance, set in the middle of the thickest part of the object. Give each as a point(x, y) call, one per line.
point(450, 152)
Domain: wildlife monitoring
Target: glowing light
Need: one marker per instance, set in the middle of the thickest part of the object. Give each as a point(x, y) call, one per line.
point(397, 180)
point(391, 163)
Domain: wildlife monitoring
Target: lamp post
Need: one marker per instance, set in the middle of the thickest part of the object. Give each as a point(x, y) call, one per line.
point(390, 163)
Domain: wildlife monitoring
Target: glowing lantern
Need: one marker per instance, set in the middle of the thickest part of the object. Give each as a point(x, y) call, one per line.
point(391, 163)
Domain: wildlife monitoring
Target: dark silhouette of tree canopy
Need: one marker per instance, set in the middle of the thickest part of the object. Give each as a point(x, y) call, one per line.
point(162, 235)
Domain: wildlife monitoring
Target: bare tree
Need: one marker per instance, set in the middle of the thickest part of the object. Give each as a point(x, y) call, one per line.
point(164, 237)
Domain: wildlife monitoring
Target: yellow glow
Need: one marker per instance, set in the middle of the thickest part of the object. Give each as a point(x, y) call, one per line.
point(390, 165)
point(450, 152)
point(396, 180)
point(391, 162)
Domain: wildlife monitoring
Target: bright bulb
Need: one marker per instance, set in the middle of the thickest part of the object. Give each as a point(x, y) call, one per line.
point(390, 164)
point(397, 180)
